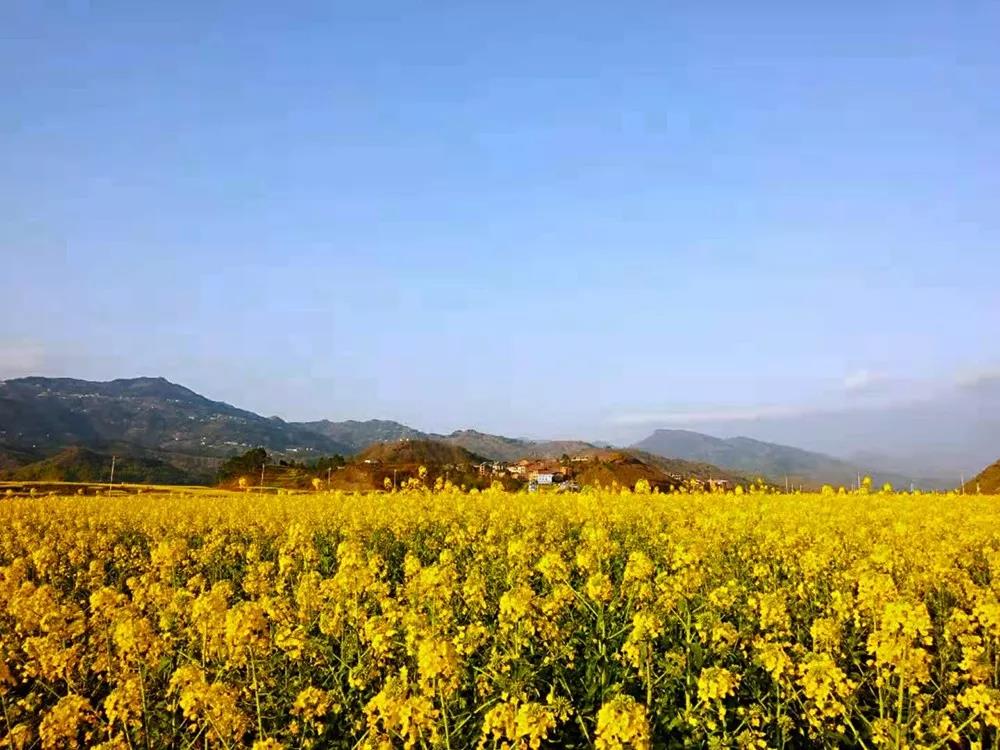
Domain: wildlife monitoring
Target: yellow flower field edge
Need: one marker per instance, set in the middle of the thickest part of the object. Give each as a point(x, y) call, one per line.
point(430, 619)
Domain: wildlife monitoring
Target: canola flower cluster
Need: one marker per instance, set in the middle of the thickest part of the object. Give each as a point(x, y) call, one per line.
point(443, 619)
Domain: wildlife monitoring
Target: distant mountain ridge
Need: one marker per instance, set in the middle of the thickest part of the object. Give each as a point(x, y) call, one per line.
point(50, 413)
point(358, 435)
point(355, 436)
point(152, 418)
point(769, 460)
point(499, 448)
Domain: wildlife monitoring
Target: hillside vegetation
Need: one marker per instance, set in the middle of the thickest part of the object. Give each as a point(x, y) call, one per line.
point(356, 435)
point(620, 469)
point(12, 458)
point(392, 462)
point(607, 468)
point(987, 481)
point(419, 452)
point(152, 413)
point(82, 465)
point(500, 448)
point(398, 462)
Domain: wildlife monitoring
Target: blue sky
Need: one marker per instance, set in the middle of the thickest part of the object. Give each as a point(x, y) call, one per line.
point(542, 219)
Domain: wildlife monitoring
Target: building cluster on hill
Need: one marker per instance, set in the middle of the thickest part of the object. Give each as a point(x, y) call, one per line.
point(536, 472)
point(549, 470)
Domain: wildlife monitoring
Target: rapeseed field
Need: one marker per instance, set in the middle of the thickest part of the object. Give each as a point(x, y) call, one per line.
point(444, 619)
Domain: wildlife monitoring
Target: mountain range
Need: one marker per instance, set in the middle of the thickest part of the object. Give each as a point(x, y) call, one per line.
point(154, 420)
point(43, 413)
point(910, 426)
point(778, 463)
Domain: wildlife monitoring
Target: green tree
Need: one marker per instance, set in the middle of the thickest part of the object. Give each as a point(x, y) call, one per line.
point(249, 463)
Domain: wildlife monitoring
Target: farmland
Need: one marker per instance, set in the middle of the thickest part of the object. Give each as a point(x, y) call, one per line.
point(419, 618)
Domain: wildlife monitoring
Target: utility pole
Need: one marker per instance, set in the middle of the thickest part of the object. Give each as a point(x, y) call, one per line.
point(962, 478)
point(111, 482)
point(262, 478)
point(328, 470)
point(393, 480)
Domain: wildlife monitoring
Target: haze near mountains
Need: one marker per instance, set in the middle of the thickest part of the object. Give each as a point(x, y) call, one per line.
point(943, 429)
point(780, 463)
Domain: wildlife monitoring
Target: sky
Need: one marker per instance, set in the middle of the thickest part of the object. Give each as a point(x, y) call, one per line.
point(543, 219)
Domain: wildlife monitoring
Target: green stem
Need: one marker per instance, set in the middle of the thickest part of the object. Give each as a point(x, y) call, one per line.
point(958, 729)
point(444, 714)
point(602, 651)
point(128, 740)
point(583, 727)
point(687, 660)
point(256, 694)
point(142, 692)
point(857, 734)
point(649, 678)
point(881, 701)
point(899, 715)
point(781, 728)
point(6, 718)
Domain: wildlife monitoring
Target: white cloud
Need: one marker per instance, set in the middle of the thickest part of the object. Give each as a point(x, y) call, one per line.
point(864, 380)
point(860, 391)
point(986, 379)
point(713, 415)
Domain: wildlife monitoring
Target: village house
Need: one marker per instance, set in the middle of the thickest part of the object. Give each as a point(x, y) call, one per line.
point(519, 469)
point(491, 468)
